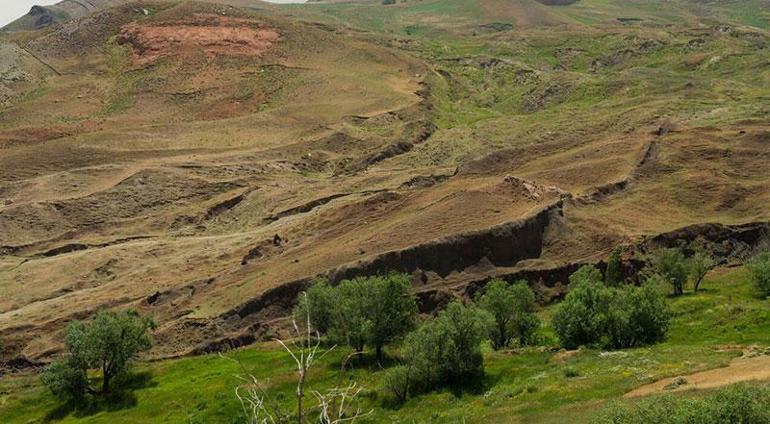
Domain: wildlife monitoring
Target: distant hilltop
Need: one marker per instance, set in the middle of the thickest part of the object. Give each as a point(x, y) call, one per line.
point(45, 16)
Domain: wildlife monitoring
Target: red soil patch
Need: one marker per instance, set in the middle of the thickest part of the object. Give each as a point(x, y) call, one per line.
point(214, 35)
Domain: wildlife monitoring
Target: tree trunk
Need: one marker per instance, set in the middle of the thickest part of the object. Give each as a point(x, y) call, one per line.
point(300, 394)
point(378, 352)
point(105, 380)
point(501, 336)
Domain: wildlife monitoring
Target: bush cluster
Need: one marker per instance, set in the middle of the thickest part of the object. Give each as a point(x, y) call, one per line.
point(675, 269)
point(737, 404)
point(593, 314)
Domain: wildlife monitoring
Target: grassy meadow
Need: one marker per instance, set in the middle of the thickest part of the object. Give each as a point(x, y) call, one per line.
point(538, 384)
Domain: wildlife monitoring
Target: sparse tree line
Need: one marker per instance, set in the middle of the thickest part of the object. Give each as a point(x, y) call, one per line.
point(368, 314)
point(671, 266)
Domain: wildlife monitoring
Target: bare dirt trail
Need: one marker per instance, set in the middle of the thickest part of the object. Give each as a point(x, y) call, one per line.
point(739, 370)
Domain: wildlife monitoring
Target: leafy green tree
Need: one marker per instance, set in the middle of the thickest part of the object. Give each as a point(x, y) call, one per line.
point(512, 307)
point(108, 342)
point(700, 264)
point(586, 274)
point(759, 267)
point(318, 305)
point(581, 318)
point(613, 276)
point(373, 311)
point(671, 265)
point(637, 316)
point(392, 311)
point(448, 348)
point(351, 323)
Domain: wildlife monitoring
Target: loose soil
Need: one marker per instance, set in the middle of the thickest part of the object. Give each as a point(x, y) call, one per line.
point(739, 370)
point(214, 35)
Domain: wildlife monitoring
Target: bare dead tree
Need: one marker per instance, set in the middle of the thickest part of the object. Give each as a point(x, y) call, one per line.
point(338, 405)
point(255, 401)
point(335, 406)
point(305, 350)
point(254, 398)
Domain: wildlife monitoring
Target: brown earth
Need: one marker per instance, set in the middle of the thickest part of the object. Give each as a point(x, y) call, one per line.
point(250, 153)
point(214, 35)
point(739, 370)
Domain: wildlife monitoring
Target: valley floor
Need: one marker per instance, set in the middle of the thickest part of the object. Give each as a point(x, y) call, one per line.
point(723, 322)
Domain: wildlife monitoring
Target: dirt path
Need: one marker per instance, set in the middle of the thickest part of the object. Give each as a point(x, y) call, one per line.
point(741, 369)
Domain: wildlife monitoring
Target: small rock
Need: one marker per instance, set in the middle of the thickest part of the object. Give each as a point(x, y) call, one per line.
point(676, 383)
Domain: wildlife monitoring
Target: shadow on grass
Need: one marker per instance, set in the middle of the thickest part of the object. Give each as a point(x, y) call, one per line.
point(364, 361)
point(471, 385)
point(122, 397)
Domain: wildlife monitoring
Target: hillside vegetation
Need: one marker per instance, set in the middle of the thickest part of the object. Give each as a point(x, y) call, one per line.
point(724, 321)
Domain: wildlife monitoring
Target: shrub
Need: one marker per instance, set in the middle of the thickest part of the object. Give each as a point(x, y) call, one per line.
point(613, 276)
point(737, 404)
point(447, 349)
point(570, 372)
point(66, 379)
point(586, 274)
point(593, 314)
point(671, 265)
point(397, 382)
point(512, 307)
point(107, 343)
point(759, 267)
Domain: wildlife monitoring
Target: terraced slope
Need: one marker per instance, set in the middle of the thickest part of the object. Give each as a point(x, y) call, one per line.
point(205, 162)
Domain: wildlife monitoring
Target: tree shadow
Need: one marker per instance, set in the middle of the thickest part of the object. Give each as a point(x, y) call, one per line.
point(364, 361)
point(473, 385)
point(122, 397)
point(469, 385)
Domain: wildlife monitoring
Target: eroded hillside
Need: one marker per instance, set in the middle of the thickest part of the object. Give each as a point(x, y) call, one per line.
point(204, 162)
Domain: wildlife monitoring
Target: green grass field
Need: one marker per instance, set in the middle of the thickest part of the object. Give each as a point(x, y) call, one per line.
point(523, 386)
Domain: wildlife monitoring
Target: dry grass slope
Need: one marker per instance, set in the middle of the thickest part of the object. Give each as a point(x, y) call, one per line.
point(203, 162)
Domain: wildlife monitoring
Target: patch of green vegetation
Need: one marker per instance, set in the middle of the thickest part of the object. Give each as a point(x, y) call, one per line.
point(37, 92)
point(531, 384)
